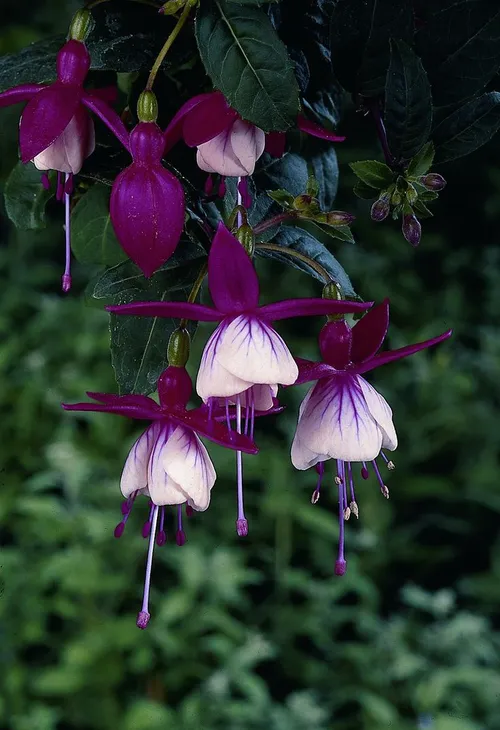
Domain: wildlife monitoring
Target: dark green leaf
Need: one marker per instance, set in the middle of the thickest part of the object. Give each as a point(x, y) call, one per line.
point(288, 173)
point(34, 64)
point(303, 242)
point(467, 128)
point(93, 239)
point(343, 233)
point(422, 161)
point(363, 191)
point(460, 46)
point(323, 160)
point(360, 33)
point(26, 198)
point(374, 173)
point(408, 102)
point(422, 210)
point(282, 197)
point(139, 344)
point(247, 61)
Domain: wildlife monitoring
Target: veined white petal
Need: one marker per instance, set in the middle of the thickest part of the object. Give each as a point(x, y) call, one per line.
point(213, 380)
point(135, 471)
point(252, 350)
point(186, 461)
point(336, 421)
point(162, 488)
point(261, 395)
point(381, 412)
point(68, 152)
point(248, 143)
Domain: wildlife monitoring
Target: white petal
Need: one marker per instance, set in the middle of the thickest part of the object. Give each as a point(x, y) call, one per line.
point(135, 471)
point(248, 143)
point(162, 488)
point(336, 421)
point(68, 152)
point(187, 463)
point(252, 350)
point(381, 412)
point(217, 156)
point(213, 380)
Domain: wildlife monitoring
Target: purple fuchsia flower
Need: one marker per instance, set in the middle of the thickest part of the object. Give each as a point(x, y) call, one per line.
point(168, 463)
point(343, 417)
point(56, 131)
point(245, 358)
point(226, 144)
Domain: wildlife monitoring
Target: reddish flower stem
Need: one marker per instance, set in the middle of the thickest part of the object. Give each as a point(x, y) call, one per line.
point(280, 218)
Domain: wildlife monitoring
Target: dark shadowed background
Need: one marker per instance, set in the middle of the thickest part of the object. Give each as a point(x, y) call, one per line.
point(257, 634)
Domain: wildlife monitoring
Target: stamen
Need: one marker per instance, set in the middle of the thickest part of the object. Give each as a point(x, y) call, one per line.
point(161, 537)
point(364, 471)
point(222, 187)
point(383, 488)
point(228, 418)
point(44, 179)
point(320, 468)
point(209, 185)
point(126, 509)
point(189, 511)
point(66, 277)
point(146, 528)
point(244, 192)
point(340, 563)
point(68, 184)
point(389, 463)
point(144, 615)
point(180, 535)
point(353, 505)
point(252, 414)
point(241, 522)
point(59, 187)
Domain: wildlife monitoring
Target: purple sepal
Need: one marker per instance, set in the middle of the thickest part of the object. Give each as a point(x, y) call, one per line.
point(45, 117)
point(131, 399)
point(212, 116)
point(19, 93)
point(198, 421)
point(173, 132)
point(275, 144)
point(309, 371)
point(315, 130)
point(308, 307)
point(385, 357)
point(95, 102)
point(176, 310)
point(119, 409)
point(369, 333)
point(232, 279)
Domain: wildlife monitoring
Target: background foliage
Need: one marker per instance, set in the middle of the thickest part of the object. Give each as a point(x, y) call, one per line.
point(255, 634)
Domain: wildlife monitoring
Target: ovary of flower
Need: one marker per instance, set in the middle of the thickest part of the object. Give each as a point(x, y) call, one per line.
point(234, 151)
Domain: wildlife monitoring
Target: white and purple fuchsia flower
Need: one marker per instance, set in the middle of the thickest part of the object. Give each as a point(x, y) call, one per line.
point(342, 416)
point(227, 145)
point(168, 463)
point(245, 359)
point(56, 131)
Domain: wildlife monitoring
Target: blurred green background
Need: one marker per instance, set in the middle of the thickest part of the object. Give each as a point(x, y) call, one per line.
point(257, 634)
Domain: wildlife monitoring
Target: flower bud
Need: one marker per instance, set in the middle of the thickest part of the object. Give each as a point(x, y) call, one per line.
point(171, 7)
point(302, 202)
point(339, 218)
point(433, 181)
point(332, 290)
point(147, 106)
point(411, 194)
point(246, 237)
point(80, 25)
point(178, 348)
point(412, 230)
point(381, 208)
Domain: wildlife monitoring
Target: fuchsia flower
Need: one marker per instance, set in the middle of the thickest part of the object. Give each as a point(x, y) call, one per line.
point(56, 131)
point(343, 417)
point(227, 144)
point(147, 202)
point(245, 358)
point(168, 463)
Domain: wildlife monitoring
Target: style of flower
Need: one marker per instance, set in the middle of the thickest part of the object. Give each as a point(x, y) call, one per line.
point(227, 144)
point(147, 202)
point(56, 131)
point(245, 359)
point(343, 417)
point(168, 463)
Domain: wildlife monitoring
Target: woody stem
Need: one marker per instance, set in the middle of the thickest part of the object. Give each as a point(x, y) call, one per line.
point(168, 44)
point(284, 251)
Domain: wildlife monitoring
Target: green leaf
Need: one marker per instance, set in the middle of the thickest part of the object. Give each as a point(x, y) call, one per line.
point(323, 161)
point(343, 233)
point(296, 239)
point(460, 47)
point(408, 102)
point(282, 197)
point(376, 174)
point(139, 344)
point(287, 173)
point(467, 128)
point(247, 61)
point(26, 198)
point(422, 210)
point(363, 191)
point(33, 65)
point(360, 33)
point(93, 240)
point(422, 161)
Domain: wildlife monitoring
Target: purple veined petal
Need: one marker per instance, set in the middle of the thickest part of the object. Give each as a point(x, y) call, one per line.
point(106, 114)
point(141, 401)
point(336, 421)
point(174, 131)
point(45, 117)
point(186, 461)
point(198, 420)
point(212, 116)
point(310, 307)
point(213, 380)
point(275, 143)
point(69, 151)
point(232, 279)
point(162, 488)
point(385, 357)
point(369, 332)
point(309, 371)
point(147, 212)
point(316, 130)
point(18, 94)
point(129, 411)
point(301, 456)
point(176, 310)
point(135, 471)
point(381, 412)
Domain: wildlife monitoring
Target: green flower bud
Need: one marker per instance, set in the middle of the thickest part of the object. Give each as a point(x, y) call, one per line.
point(80, 25)
point(303, 202)
point(339, 218)
point(147, 107)
point(332, 290)
point(246, 237)
point(178, 348)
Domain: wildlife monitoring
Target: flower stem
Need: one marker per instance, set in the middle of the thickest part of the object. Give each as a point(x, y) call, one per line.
point(194, 291)
point(168, 44)
point(381, 132)
point(320, 270)
point(261, 227)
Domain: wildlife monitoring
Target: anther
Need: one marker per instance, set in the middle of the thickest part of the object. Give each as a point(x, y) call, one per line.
point(347, 513)
point(384, 491)
point(315, 496)
point(354, 509)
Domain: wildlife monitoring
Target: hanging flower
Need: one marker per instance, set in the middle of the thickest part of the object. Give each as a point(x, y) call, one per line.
point(56, 131)
point(227, 144)
point(245, 358)
point(343, 417)
point(168, 463)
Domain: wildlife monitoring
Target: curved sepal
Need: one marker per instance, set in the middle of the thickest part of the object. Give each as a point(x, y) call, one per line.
point(385, 357)
point(45, 117)
point(369, 333)
point(18, 94)
point(309, 371)
point(315, 130)
point(128, 410)
point(177, 310)
point(197, 419)
point(310, 307)
point(232, 279)
point(95, 101)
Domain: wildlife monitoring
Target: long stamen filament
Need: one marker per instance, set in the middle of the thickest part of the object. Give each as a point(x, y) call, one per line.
point(66, 277)
point(241, 522)
point(340, 563)
point(144, 615)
